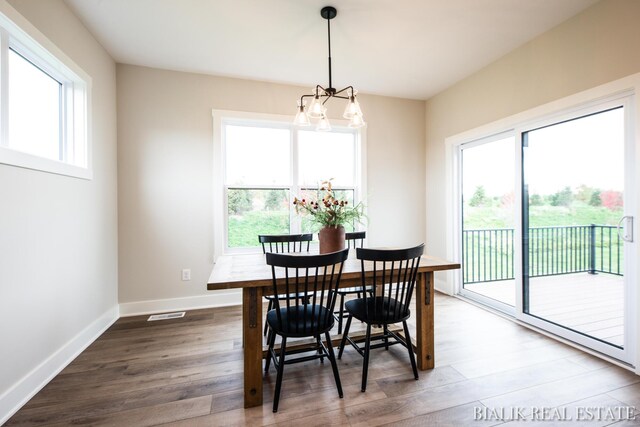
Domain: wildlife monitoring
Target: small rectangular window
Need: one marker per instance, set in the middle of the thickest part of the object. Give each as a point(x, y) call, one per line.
point(44, 105)
point(34, 109)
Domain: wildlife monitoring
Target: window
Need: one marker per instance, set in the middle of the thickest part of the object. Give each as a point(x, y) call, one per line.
point(265, 163)
point(43, 100)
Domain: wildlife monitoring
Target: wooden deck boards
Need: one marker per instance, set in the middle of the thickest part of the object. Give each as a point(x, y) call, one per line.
point(591, 304)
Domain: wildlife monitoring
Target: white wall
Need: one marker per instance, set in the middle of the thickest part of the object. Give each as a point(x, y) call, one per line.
point(165, 174)
point(596, 46)
point(58, 235)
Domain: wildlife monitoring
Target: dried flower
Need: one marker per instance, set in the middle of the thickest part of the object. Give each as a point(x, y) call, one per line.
point(328, 210)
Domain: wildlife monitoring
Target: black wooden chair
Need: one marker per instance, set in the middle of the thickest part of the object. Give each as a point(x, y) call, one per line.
point(392, 283)
point(354, 240)
point(315, 277)
point(283, 243)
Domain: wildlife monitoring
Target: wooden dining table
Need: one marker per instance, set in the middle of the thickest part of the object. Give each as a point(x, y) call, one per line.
point(250, 273)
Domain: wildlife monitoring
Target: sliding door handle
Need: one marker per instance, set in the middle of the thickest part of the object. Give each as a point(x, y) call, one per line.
point(627, 228)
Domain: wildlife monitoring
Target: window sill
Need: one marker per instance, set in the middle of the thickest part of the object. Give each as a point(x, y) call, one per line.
point(28, 161)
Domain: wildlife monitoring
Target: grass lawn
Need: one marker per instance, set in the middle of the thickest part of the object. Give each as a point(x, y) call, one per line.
point(244, 229)
point(484, 217)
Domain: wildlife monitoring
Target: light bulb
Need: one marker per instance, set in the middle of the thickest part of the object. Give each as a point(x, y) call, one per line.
point(353, 108)
point(316, 109)
point(357, 121)
point(323, 124)
point(302, 119)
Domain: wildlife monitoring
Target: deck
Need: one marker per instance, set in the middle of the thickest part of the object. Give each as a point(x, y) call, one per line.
point(591, 304)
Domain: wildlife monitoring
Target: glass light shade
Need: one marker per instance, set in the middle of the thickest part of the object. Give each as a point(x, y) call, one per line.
point(357, 121)
point(316, 109)
point(352, 109)
point(302, 119)
point(323, 124)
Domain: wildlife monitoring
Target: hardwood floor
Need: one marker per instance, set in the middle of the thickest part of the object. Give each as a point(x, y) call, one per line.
point(188, 372)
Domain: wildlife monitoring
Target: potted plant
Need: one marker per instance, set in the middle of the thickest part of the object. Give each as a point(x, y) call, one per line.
point(330, 214)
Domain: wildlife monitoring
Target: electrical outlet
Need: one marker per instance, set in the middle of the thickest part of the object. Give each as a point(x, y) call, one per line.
point(186, 275)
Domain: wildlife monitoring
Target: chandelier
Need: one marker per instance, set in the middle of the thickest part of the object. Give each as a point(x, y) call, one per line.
point(321, 95)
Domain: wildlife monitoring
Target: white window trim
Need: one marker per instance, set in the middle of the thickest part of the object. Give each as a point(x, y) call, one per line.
point(28, 41)
point(219, 187)
point(626, 89)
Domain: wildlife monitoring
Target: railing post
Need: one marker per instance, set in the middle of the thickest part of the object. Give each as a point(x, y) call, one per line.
point(592, 249)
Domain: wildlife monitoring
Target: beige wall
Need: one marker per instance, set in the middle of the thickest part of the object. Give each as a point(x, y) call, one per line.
point(165, 172)
point(597, 46)
point(58, 235)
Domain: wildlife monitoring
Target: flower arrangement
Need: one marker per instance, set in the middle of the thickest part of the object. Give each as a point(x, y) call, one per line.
point(329, 211)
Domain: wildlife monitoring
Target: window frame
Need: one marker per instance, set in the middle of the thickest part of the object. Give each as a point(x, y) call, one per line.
point(19, 35)
point(222, 118)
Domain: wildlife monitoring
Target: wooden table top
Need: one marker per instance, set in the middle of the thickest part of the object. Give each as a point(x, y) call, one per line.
point(251, 270)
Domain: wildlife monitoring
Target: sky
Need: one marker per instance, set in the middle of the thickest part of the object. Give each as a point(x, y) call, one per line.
point(262, 156)
point(587, 151)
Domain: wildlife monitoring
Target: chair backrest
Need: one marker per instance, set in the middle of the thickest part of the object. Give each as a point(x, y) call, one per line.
point(393, 278)
point(313, 279)
point(355, 239)
point(285, 243)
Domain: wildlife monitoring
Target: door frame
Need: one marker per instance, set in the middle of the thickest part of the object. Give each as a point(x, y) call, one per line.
point(484, 300)
point(627, 88)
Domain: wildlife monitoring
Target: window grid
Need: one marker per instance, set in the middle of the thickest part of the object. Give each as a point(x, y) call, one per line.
point(294, 187)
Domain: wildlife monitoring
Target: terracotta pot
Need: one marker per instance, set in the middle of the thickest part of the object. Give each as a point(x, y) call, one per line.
point(331, 239)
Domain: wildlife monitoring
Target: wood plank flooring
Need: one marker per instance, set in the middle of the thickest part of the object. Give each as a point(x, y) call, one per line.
point(188, 372)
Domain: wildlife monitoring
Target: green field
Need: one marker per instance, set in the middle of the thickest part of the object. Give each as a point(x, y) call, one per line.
point(482, 217)
point(244, 229)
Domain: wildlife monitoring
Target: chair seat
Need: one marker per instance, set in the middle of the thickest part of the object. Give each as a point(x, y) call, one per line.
point(378, 310)
point(298, 322)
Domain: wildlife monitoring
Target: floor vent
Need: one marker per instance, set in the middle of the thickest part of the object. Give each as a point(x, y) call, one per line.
point(166, 316)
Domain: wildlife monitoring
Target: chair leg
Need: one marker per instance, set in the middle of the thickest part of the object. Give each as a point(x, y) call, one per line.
point(276, 395)
point(334, 365)
point(344, 336)
point(365, 364)
point(341, 314)
point(412, 357)
point(266, 325)
point(271, 340)
point(385, 332)
point(319, 348)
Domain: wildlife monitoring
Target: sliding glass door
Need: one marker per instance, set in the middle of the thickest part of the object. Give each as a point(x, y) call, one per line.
point(488, 198)
point(574, 229)
point(546, 232)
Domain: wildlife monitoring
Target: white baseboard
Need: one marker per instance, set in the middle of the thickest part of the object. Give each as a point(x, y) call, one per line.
point(215, 299)
point(21, 392)
point(442, 285)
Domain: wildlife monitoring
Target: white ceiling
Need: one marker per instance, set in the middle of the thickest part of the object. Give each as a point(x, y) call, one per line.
point(408, 48)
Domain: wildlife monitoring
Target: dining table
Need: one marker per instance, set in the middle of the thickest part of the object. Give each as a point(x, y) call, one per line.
point(250, 273)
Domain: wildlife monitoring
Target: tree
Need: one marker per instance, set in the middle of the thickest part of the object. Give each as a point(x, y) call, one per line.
point(273, 200)
point(479, 197)
point(239, 201)
point(595, 199)
point(563, 197)
point(535, 200)
point(584, 193)
point(612, 200)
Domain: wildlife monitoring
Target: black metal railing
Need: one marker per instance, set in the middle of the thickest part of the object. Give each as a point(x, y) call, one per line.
point(488, 253)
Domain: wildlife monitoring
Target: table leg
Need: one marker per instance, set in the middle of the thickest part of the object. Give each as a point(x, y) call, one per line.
point(424, 321)
point(252, 333)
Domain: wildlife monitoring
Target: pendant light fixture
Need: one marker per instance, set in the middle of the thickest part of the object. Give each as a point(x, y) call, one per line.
point(320, 95)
